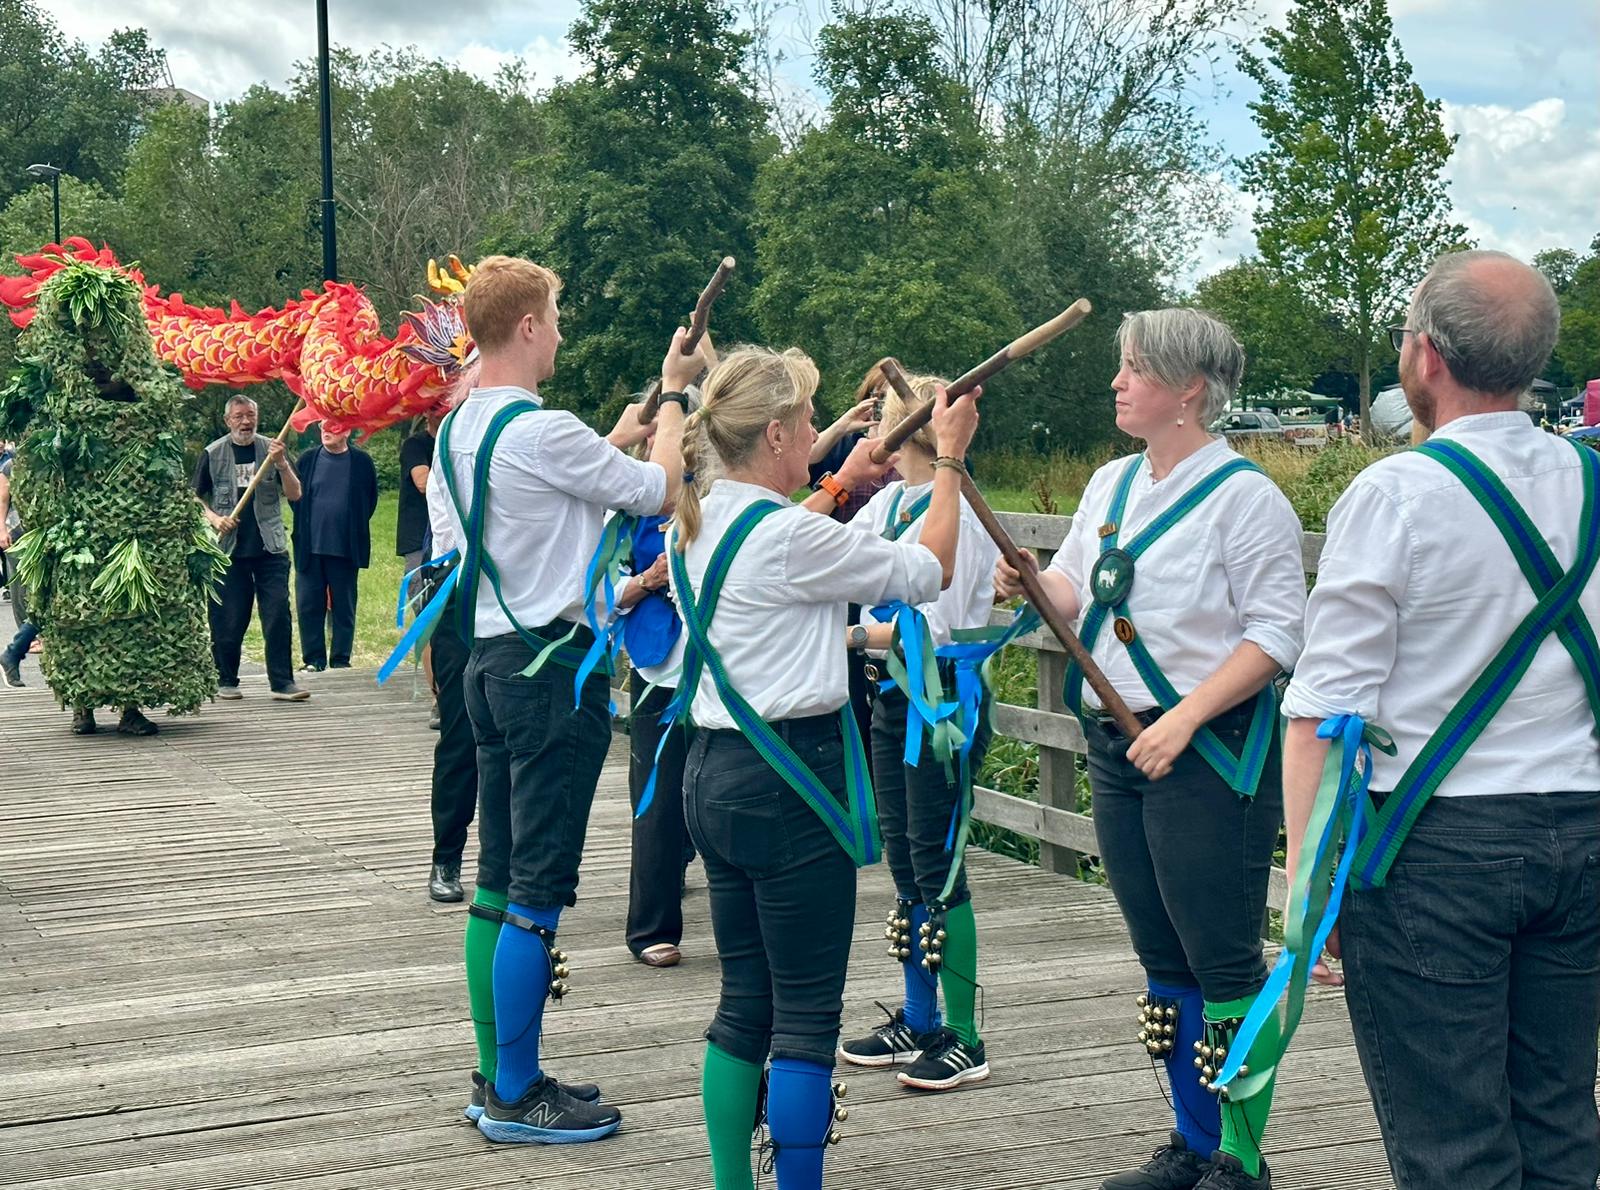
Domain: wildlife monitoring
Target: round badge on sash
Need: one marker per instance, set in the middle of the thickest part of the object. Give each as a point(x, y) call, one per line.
point(1112, 577)
point(1124, 629)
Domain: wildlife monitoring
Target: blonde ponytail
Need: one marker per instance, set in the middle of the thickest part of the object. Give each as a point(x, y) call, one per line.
point(895, 410)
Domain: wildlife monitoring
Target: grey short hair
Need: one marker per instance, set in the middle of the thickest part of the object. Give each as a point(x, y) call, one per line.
point(1491, 343)
point(239, 399)
point(1178, 344)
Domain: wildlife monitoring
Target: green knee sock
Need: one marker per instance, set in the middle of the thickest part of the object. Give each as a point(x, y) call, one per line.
point(1244, 1121)
point(482, 936)
point(958, 974)
point(729, 1088)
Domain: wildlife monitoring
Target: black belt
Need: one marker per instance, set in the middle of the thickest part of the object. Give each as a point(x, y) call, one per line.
point(803, 727)
point(1238, 716)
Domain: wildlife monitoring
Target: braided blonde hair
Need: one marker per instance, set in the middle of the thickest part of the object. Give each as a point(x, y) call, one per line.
point(895, 411)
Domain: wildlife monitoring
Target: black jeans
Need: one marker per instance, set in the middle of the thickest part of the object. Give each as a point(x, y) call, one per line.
point(915, 804)
point(1188, 860)
point(783, 892)
point(264, 581)
point(455, 755)
point(1473, 981)
point(326, 584)
point(538, 763)
point(661, 847)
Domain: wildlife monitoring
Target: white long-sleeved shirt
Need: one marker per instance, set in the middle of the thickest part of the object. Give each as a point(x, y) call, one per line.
point(1230, 571)
point(779, 625)
point(965, 603)
point(550, 482)
point(1417, 590)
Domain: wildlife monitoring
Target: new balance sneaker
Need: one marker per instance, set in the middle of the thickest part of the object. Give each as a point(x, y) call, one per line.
point(944, 1064)
point(546, 1115)
point(585, 1092)
point(1227, 1174)
point(1174, 1166)
point(890, 1043)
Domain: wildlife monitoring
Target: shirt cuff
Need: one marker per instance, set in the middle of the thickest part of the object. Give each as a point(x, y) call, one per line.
point(927, 575)
point(1302, 702)
point(1282, 646)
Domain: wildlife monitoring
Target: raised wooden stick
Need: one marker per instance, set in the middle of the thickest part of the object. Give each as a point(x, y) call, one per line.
point(1015, 350)
point(261, 471)
point(697, 328)
point(1032, 588)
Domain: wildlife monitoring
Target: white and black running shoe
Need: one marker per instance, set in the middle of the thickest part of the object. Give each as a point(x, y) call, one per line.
point(946, 1063)
point(889, 1044)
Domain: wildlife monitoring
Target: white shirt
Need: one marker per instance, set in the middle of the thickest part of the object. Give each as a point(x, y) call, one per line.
point(1417, 590)
point(550, 482)
point(966, 602)
point(779, 625)
point(1230, 571)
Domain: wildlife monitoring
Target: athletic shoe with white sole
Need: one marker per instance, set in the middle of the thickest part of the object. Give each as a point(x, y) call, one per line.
point(945, 1064)
point(587, 1092)
point(546, 1115)
point(889, 1044)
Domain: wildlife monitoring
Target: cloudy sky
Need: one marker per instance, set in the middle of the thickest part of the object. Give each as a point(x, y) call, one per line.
point(1518, 78)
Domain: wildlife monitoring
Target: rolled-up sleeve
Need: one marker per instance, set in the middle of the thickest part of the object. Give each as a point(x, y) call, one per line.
point(574, 459)
point(1266, 575)
point(1353, 614)
point(826, 562)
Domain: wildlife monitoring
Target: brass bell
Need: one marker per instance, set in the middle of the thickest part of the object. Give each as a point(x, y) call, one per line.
point(940, 935)
point(924, 929)
point(1243, 1070)
point(905, 952)
point(1222, 1052)
point(1206, 1050)
point(1204, 1082)
point(1199, 1063)
point(1197, 1047)
point(922, 944)
point(558, 989)
point(903, 923)
point(841, 1114)
point(835, 1137)
point(1209, 1071)
point(1143, 1036)
point(840, 1089)
point(562, 971)
point(893, 952)
point(1168, 1030)
point(1153, 1047)
point(1142, 1001)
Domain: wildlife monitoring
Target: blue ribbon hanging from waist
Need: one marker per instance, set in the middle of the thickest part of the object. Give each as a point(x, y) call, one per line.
point(426, 618)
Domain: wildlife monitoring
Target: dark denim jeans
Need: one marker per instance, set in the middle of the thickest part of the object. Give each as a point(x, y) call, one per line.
point(455, 754)
point(915, 804)
point(538, 763)
point(783, 892)
point(1473, 981)
point(262, 580)
point(661, 847)
point(1188, 861)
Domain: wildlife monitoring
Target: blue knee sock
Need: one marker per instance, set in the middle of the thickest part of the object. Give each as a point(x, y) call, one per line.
point(922, 985)
point(799, 1112)
point(1198, 1114)
point(521, 985)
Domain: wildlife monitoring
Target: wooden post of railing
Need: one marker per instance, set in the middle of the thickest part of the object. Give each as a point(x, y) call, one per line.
point(1058, 768)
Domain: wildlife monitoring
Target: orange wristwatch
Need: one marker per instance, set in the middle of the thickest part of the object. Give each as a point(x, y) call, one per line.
point(834, 488)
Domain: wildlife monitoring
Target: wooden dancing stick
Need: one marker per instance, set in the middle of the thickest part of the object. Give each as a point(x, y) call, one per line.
point(261, 471)
point(1015, 350)
point(1032, 588)
point(697, 328)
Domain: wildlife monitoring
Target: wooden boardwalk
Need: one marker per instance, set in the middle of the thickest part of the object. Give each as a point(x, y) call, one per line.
point(219, 969)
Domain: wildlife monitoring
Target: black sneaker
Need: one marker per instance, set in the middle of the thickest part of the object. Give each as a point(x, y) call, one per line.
point(546, 1115)
point(444, 882)
point(890, 1043)
point(11, 673)
point(1227, 1174)
point(1174, 1166)
point(944, 1064)
point(586, 1092)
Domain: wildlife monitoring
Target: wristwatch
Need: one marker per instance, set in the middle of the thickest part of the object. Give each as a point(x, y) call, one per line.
point(857, 636)
point(834, 488)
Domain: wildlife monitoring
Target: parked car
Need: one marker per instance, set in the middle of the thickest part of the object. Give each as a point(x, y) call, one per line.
point(1251, 423)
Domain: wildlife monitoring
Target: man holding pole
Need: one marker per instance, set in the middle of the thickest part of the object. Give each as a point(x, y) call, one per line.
point(253, 535)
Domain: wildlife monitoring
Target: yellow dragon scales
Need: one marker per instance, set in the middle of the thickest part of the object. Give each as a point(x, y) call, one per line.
point(328, 347)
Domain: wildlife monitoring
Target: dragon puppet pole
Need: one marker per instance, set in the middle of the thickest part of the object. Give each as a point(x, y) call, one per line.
point(996, 363)
point(261, 471)
point(697, 329)
point(1032, 588)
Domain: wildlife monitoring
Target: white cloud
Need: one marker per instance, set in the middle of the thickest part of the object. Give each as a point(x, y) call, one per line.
point(547, 61)
point(1217, 251)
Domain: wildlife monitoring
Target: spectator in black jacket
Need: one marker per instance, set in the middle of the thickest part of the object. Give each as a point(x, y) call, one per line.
point(332, 542)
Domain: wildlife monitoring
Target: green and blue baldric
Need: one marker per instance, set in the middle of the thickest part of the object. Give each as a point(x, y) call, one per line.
point(1111, 582)
point(603, 568)
point(1343, 824)
point(853, 824)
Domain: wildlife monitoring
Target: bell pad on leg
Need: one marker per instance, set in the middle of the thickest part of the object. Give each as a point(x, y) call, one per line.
point(558, 958)
point(1158, 1023)
point(897, 929)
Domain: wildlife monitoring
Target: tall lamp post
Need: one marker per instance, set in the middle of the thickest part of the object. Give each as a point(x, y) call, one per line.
point(54, 174)
point(330, 259)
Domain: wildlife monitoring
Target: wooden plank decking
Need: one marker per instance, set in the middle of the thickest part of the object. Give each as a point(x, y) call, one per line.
point(219, 969)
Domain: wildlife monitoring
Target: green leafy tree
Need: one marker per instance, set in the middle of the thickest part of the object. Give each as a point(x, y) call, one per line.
point(647, 180)
point(1578, 349)
point(1287, 342)
point(876, 230)
point(1354, 205)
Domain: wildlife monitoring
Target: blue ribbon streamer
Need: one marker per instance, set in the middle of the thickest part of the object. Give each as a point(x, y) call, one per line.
point(422, 624)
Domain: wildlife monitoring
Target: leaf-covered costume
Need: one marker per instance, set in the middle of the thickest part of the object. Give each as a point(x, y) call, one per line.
point(117, 557)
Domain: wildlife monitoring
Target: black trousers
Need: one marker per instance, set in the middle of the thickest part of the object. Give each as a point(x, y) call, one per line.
point(455, 753)
point(538, 763)
point(915, 804)
point(263, 581)
point(783, 892)
point(1188, 860)
point(323, 584)
point(1473, 982)
point(661, 846)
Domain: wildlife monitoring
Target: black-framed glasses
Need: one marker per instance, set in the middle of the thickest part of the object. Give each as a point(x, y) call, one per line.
point(1397, 336)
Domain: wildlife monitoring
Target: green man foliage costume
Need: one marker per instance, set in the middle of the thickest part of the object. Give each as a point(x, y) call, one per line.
point(117, 557)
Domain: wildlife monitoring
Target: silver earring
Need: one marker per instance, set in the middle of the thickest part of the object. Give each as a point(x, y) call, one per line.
point(777, 452)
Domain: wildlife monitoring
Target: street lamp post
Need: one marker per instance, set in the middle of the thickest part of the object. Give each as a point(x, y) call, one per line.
point(54, 174)
point(330, 260)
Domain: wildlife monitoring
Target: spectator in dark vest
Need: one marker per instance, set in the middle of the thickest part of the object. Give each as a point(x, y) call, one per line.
point(332, 543)
point(257, 544)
